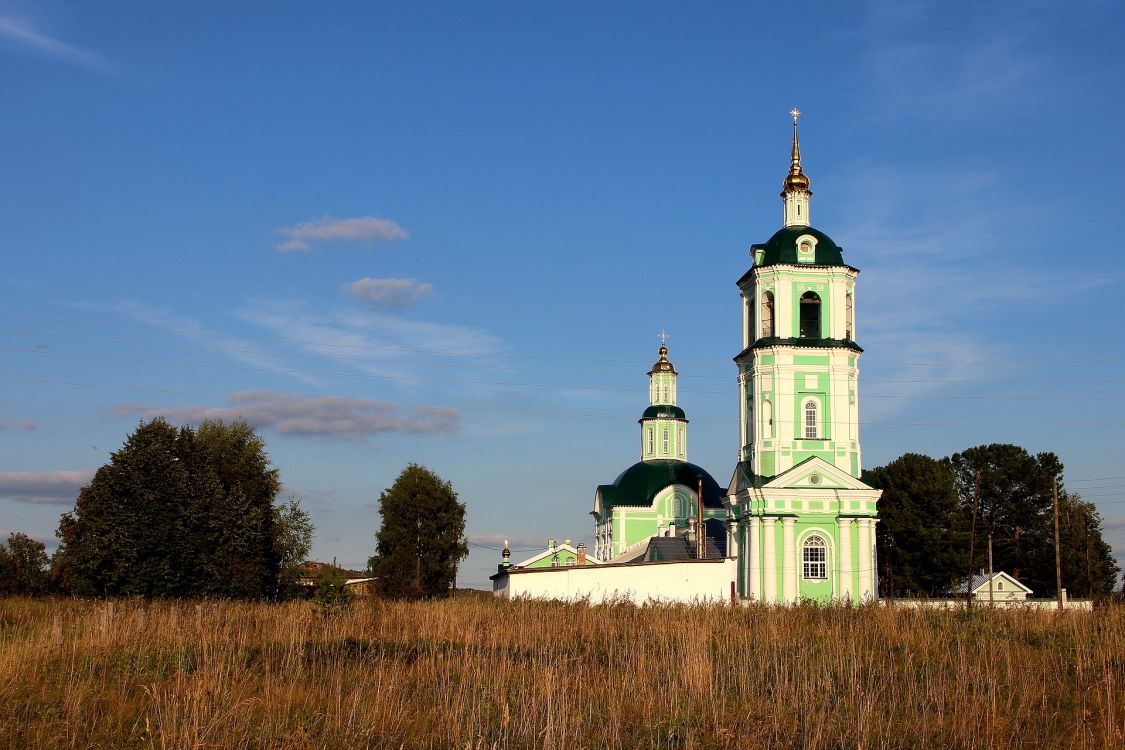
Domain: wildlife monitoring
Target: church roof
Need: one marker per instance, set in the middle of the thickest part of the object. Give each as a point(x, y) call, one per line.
point(782, 247)
point(663, 411)
point(639, 484)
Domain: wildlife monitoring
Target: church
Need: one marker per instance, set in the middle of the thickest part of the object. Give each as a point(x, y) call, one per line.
point(795, 522)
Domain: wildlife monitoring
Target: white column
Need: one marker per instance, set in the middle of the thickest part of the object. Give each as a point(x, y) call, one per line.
point(753, 565)
point(769, 561)
point(788, 560)
point(865, 573)
point(845, 565)
point(732, 540)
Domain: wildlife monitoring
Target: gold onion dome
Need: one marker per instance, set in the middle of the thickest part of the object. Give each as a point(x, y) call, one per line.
point(662, 364)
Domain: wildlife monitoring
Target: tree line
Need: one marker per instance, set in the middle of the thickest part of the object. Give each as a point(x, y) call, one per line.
point(183, 512)
point(927, 540)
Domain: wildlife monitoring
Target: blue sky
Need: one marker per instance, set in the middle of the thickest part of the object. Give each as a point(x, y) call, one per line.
point(450, 233)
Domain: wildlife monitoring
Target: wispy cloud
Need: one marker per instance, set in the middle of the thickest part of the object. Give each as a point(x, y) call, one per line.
point(917, 70)
point(329, 229)
point(23, 35)
point(317, 416)
point(192, 330)
point(44, 487)
point(390, 293)
point(376, 339)
point(23, 424)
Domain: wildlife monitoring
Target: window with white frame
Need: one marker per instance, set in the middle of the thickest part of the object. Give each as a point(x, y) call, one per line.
point(651, 447)
point(680, 440)
point(811, 422)
point(849, 317)
point(666, 445)
point(815, 558)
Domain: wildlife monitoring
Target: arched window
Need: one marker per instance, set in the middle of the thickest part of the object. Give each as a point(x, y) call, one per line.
point(767, 315)
point(810, 315)
point(849, 313)
point(811, 421)
point(815, 559)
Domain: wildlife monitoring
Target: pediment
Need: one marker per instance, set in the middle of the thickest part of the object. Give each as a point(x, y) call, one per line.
point(815, 473)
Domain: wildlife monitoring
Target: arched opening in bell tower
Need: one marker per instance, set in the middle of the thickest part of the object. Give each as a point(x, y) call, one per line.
point(810, 315)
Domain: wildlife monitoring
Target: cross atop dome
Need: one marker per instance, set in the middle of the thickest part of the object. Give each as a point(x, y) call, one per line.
point(796, 113)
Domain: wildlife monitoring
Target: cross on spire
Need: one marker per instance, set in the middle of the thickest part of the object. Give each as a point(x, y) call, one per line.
point(796, 113)
point(663, 338)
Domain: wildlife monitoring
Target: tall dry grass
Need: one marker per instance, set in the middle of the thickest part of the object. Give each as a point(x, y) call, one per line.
point(473, 673)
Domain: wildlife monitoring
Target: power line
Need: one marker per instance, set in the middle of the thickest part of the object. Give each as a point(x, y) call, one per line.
point(463, 381)
point(144, 389)
point(366, 347)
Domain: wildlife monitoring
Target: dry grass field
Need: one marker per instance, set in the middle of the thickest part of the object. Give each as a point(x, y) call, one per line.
point(476, 673)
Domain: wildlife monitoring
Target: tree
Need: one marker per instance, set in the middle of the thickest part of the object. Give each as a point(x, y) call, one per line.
point(1089, 569)
point(294, 542)
point(178, 513)
point(23, 566)
point(421, 539)
point(920, 535)
point(1013, 490)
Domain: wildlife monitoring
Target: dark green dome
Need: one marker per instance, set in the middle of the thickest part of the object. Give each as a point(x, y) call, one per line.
point(782, 248)
point(640, 483)
point(663, 412)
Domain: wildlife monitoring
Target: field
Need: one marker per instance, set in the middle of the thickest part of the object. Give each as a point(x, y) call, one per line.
point(477, 673)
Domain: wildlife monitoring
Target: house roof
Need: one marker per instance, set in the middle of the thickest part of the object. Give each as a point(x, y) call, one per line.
point(590, 559)
point(980, 581)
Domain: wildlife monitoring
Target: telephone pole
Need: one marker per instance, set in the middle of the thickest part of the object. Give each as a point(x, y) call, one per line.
point(972, 544)
point(1058, 556)
point(991, 599)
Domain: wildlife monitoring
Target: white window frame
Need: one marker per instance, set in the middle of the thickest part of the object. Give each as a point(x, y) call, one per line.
point(814, 412)
point(814, 558)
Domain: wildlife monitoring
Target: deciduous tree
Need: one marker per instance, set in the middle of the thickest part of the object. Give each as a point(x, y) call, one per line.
point(23, 566)
point(421, 539)
point(178, 513)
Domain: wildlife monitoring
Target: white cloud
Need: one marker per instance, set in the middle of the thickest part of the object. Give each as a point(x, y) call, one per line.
point(24, 35)
point(329, 229)
point(44, 487)
point(316, 416)
point(391, 293)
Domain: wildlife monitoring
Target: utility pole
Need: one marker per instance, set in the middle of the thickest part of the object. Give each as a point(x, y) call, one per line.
point(991, 598)
point(700, 527)
point(972, 544)
point(1058, 554)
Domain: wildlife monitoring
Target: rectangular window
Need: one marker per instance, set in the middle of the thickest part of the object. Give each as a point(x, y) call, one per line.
point(650, 441)
point(666, 446)
point(680, 435)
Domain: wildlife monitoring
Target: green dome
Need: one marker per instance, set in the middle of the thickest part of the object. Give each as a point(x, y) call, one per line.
point(782, 248)
point(640, 483)
point(663, 411)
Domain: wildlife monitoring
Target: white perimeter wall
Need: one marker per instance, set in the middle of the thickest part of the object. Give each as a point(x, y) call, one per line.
point(686, 581)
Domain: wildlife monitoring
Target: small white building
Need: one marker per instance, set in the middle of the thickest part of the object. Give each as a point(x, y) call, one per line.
point(1004, 588)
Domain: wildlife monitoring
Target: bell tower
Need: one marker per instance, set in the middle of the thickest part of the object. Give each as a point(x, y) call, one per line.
point(801, 520)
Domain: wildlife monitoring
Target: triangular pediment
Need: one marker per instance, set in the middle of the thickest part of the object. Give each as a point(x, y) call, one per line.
point(817, 474)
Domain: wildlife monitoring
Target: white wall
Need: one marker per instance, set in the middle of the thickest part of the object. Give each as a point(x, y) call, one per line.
point(686, 581)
